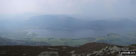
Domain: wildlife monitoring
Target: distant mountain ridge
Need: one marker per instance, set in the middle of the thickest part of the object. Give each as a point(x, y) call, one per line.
point(61, 27)
point(66, 26)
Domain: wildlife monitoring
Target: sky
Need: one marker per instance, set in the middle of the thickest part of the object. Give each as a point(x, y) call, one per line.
point(86, 8)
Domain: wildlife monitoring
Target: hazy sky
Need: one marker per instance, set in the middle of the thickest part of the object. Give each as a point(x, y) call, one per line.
point(90, 8)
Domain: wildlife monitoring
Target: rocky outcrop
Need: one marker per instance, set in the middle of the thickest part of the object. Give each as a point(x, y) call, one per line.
point(100, 49)
point(49, 53)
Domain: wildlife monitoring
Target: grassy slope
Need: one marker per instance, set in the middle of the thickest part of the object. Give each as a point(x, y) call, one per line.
point(61, 41)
